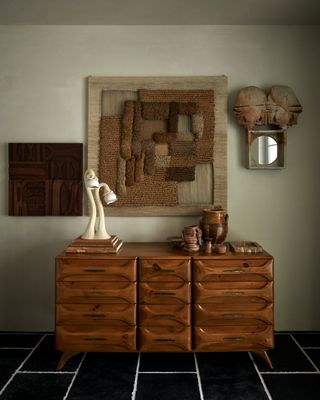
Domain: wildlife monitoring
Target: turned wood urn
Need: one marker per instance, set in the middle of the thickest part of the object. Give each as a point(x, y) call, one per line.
point(214, 224)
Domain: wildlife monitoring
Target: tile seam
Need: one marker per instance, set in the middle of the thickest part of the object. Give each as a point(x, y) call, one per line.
point(261, 378)
point(305, 354)
point(135, 384)
point(16, 348)
point(74, 377)
point(46, 372)
point(289, 372)
point(21, 365)
point(167, 372)
point(198, 377)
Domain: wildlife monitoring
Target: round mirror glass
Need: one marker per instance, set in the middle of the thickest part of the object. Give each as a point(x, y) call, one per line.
point(264, 150)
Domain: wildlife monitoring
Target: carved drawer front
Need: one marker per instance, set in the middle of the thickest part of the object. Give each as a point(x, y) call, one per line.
point(122, 270)
point(207, 270)
point(207, 315)
point(164, 293)
point(160, 338)
point(206, 292)
point(208, 339)
point(96, 338)
point(165, 315)
point(165, 270)
point(96, 292)
point(96, 314)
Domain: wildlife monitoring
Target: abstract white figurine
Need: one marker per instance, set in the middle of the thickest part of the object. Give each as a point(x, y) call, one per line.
point(93, 188)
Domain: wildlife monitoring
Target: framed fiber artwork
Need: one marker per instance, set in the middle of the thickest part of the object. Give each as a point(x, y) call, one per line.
point(159, 142)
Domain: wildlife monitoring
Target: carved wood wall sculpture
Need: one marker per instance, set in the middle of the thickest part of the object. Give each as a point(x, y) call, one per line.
point(266, 117)
point(45, 179)
point(279, 107)
point(160, 143)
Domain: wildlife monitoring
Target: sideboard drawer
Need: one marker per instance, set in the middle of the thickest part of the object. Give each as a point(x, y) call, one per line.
point(97, 314)
point(96, 270)
point(96, 292)
point(207, 315)
point(205, 292)
point(164, 293)
point(165, 315)
point(165, 270)
point(207, 339)
point(206, 270)
point(85, 338)
point(160, 338)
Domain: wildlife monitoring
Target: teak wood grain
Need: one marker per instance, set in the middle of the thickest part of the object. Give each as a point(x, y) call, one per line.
point(165, 270)
point(154, 297)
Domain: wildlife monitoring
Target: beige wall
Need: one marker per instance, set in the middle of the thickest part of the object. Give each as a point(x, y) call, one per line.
point(43, 74)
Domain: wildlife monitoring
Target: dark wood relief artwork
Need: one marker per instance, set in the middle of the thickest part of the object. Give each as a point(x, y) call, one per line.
point(45, 179)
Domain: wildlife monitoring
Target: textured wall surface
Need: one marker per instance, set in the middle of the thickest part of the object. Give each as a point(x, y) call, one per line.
point(43, 74)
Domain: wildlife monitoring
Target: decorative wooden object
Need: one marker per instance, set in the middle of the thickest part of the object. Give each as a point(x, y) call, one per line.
point(203, 302)
point(266, 117)
point(246, 247)
point(160, 142)
point(45, 179)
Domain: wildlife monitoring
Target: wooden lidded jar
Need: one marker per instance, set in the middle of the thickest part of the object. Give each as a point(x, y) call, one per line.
point(214, 224)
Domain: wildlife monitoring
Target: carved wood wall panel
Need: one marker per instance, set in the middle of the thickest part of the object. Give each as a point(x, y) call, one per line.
point(45, 179)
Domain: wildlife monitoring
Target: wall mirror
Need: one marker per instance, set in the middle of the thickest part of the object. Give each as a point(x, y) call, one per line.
point(266, 149)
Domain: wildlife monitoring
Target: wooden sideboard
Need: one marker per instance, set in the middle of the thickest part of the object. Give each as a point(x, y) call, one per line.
point(153, 297)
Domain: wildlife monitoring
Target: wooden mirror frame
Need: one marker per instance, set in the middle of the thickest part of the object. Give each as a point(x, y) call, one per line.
point(280, 137)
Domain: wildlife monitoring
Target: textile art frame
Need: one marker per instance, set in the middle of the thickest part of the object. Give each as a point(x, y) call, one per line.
point(159, 142)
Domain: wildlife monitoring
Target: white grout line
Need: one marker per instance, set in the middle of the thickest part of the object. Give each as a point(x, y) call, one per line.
point(46, 372)
point(313, 364)
point(16, 348)
point(289, 373)
point(167, 372)
point(198, 376)
point(135, 385)
point(310, 348)
point(260, 377)
point(74, 377)
point(21, 365)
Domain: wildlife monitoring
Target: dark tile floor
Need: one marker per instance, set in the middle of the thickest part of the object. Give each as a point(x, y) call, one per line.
point(28, 371)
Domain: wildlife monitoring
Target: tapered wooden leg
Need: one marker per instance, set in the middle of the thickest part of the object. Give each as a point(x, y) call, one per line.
point(264, 355)
point(64, 358)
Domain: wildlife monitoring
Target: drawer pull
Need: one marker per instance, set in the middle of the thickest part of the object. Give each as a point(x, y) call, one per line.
point(93, 293)
point(157, 268)
point(165, 340)
point(246, 265)
point(94, 270)
point(95, 339)
point(233, 271)
point(165, 316)
point(233, 293)
point(164, 293)
point(95, 316)
point(235, 339)
point(232, 315)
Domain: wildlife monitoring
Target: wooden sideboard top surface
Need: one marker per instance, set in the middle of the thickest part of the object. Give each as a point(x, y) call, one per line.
point(164, 250)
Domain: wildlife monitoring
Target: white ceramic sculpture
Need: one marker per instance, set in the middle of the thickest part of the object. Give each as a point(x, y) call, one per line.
point(93, 187)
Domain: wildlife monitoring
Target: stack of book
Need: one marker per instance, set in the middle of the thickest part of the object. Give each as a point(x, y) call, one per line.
point(103, 246)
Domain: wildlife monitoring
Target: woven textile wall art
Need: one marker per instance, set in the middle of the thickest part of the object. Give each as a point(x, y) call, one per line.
point(159, 142)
